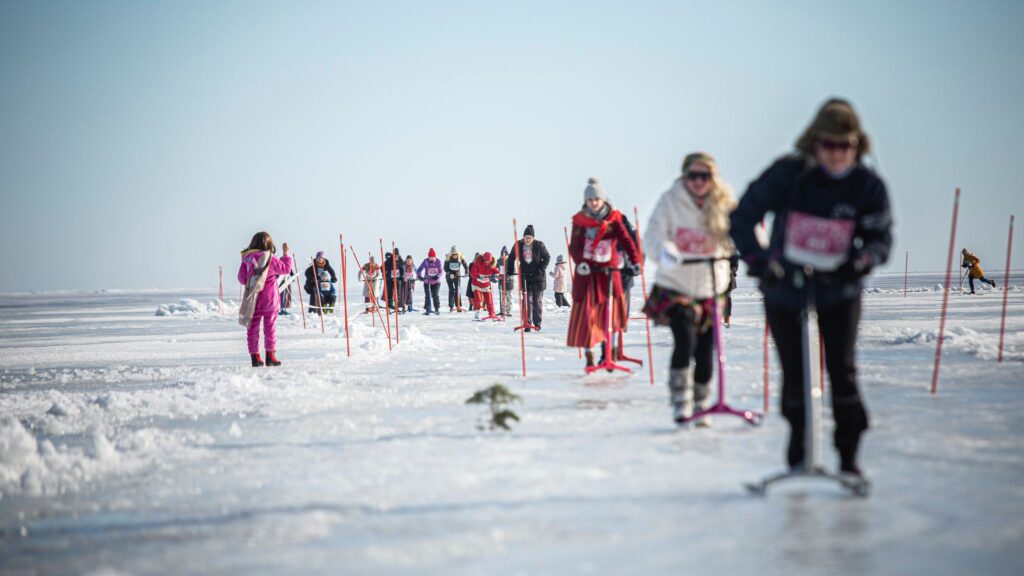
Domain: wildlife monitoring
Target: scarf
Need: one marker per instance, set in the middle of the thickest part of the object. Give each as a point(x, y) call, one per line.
point(253, 287)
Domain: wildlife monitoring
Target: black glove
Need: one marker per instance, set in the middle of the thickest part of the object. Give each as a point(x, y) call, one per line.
point(634, 269)
point(494, 278)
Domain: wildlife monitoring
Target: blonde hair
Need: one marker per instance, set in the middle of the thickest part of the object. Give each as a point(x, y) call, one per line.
point(720, 200)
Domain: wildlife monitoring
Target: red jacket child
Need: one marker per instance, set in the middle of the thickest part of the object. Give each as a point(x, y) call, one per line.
point(480, 273)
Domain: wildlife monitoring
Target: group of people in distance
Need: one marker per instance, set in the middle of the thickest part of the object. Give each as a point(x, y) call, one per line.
point(832, 224)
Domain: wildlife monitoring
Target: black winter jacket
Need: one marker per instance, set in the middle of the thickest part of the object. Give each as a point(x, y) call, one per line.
point(795, 183)
point(535, 272)
point(311, 282)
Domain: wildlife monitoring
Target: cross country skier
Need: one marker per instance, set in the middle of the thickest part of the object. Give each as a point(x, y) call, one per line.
point(509, 282)
point(481, 273)
point(974, 271)
point(597, 236)
point(410, 282)
point(430, 272)
point(260, 303)
point(691, 220)
point(393, 277)
point(470, 297)
point(454, 265)
point(533, 265)
point(369, 275)
point(822, 186)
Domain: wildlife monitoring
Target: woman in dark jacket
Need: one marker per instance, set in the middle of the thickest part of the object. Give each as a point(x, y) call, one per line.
point(832, 218)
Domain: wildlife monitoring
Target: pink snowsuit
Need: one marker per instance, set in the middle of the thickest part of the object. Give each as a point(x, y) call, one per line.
point(268, 303)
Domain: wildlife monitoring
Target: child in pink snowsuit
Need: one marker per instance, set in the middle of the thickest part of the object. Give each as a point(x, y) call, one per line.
point(259, 260)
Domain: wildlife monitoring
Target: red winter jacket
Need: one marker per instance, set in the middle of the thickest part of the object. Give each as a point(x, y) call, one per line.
point(480, 273)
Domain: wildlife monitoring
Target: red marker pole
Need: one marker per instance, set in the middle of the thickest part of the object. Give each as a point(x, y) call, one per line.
point(344, 291)
point(395, 297)
point(522, 313)
point(568, 279)
point(372, 295)
point(387, 297)
point(906, 260)
point(945, 293)
point(302, 307)
point(643, 285)
point(220, 291)
point(767, 360)
point(1006, 290)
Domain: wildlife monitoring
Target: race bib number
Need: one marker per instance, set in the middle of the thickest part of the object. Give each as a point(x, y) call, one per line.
point(453, 266)
point(821, 243)
point(325, 286)
point(602, 253)
point(690, 241)
point(396, 273)
point(432, 272)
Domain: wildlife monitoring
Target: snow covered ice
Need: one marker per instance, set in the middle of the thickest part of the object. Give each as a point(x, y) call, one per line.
point(135, 439)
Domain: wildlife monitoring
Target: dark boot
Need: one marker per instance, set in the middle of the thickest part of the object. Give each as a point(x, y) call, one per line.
point(256, 360)
point(590, 358)
point(272, 359)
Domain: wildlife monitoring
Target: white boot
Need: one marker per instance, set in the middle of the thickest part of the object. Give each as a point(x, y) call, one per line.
point(680, 390)
point(702, 401)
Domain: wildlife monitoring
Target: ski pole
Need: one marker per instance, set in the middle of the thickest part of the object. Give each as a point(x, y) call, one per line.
point(945, 292)
point(372, 295)
point(344, 291)
point(643, 284)
point(1006, 290)
point(302, 307)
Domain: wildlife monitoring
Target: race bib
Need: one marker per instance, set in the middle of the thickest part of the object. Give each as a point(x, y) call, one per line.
point(325, 286)
point(602, 253)
point(431, 272)
point(396, 273)
point(690, 241)
point(821, 243)
point(453, 266)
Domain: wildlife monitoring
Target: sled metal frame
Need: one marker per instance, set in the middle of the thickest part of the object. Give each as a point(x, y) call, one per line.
point(609, 363)
point(812, 468)
point(720, 407)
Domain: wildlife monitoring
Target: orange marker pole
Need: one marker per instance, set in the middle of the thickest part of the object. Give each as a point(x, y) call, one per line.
point(387, 297)
point(945, 293)
point(643, 284)
point(220, 291)
point(344, 291)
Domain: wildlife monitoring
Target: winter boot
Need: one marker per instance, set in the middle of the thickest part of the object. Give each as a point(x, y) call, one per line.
point(272, 359)
point(590, 358)
point(680, 390)
point(256, 360)
point(701, 402)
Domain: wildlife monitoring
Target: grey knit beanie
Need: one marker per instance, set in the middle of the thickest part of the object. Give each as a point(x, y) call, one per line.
point(594, 190)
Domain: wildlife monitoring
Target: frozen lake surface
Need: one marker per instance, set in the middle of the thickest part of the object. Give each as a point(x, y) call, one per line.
point(136, 443)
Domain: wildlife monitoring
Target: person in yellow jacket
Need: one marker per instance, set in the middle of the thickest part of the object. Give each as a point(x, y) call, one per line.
point(974, 271)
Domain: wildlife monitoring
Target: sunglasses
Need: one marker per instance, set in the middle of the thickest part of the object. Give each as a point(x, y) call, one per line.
point(705, 176)
point(837, 145)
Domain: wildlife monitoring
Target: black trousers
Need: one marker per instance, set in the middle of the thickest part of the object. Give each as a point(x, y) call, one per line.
point(691, 343)
point(535, 298)
point(838, 326)
point(454, 296)
point(431, 294)
point(971, 280)
point(560, 300)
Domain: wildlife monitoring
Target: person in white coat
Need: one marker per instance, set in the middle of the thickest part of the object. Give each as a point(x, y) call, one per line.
point(561, 283)
point(690, 221)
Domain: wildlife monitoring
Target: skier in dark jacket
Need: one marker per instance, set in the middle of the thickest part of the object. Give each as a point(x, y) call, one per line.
point(530, 259)
point(508, 287)
point(454, 265)
point(823, 187)
point(393, 278)
point(313, 282)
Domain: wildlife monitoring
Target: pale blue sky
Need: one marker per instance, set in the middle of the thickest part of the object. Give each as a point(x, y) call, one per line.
point(143, 143)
